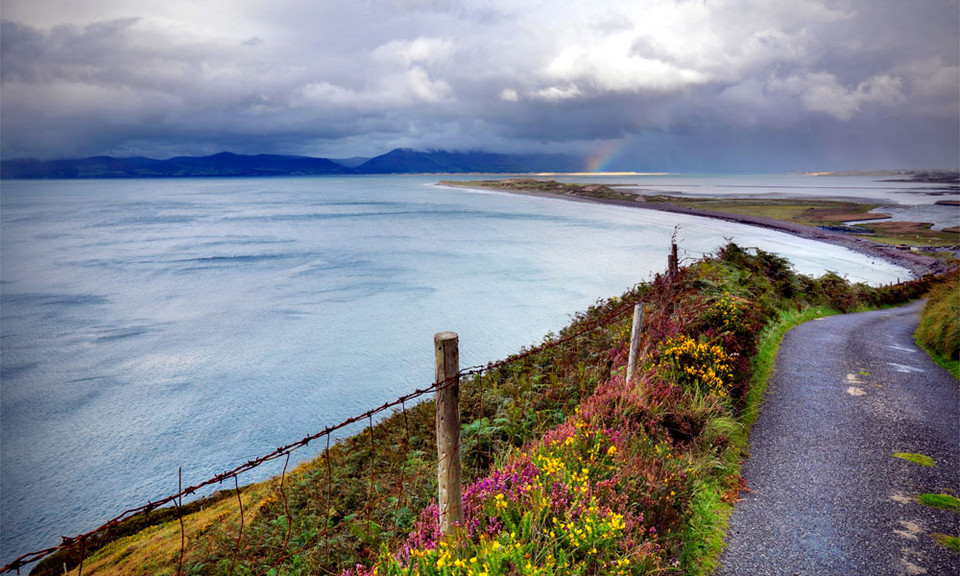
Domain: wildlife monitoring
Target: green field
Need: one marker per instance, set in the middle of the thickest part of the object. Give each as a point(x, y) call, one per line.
point(834, 213)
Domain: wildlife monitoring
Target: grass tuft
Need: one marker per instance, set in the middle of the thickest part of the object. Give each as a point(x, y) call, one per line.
point(944, 501)
point(939, 330)
point(948, 542)
point(915, 458)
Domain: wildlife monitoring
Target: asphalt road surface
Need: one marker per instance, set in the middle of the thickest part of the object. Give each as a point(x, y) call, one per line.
point(825, 496)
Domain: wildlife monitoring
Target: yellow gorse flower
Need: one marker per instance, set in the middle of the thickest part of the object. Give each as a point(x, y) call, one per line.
point(726, 313)
point(701, 364)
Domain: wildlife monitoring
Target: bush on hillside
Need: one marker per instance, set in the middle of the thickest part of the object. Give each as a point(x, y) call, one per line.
point(939, 329)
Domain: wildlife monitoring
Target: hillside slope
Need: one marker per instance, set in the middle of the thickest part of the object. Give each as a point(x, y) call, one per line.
point(554, 441)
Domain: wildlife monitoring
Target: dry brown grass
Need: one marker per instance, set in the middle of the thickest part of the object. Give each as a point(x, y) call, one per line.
point(155, 551)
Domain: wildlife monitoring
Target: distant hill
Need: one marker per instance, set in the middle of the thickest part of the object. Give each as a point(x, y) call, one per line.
point(226, 164)
point(407, 161)
point(352, 162)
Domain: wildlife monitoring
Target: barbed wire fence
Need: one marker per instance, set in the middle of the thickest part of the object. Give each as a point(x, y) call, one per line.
point(376, 494)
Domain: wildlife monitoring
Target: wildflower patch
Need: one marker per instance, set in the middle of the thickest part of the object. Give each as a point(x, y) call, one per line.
point(696, 365)
point(726, 314)
point(548, 511)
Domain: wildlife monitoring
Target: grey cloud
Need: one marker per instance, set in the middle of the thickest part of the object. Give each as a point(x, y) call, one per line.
point(653, 76)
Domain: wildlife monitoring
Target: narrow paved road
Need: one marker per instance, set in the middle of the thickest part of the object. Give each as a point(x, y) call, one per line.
point(826, 497)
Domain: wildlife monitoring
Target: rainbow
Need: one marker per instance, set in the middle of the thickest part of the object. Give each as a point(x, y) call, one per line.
point(606, 155)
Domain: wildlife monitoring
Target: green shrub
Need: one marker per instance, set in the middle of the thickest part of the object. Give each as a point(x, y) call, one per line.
point(939, 329)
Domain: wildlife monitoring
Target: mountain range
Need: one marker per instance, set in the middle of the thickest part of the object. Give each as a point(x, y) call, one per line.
point(227, 164)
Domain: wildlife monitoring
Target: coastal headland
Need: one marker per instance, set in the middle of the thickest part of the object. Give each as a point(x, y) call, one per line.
point(747, 212)
point(564, 459)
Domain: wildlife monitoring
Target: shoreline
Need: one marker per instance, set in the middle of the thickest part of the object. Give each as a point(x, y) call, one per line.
point(917, 264)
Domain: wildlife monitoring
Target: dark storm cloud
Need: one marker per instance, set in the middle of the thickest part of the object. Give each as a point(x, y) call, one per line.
point(735, 81)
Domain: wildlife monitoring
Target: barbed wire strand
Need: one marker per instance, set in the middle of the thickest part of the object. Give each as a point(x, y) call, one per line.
point(373, 503)
point(477, 371)
point(219, 478)
point(69, 542)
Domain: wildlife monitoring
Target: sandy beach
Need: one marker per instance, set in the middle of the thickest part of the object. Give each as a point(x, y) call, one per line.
point(917, 263)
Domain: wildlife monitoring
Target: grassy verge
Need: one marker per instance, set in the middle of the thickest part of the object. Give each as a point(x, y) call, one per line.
point(942, 501)
point(713, 498)
point(568, 468)
point(911, 233)
point(951, 366)
point(948, 542)
point(939, 330)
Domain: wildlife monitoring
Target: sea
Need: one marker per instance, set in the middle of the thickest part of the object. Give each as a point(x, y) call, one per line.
point(150, 326)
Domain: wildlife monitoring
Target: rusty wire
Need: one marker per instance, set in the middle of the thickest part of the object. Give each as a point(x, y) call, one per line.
point(478, 371)
point(176, 499)
point(219, 478)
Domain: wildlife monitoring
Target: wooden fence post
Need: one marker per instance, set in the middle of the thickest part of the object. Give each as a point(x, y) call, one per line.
point(448, 430)
point(636, 333)
point(673, 262)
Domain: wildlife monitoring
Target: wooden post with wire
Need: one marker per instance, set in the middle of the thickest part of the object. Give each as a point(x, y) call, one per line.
point(448, 430)
point(636, 334)
point(673, 262)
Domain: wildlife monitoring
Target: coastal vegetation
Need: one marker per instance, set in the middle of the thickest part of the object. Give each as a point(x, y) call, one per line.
point(933, 176)
point(838, 215)
point(568, 468)
point(948, 542)
point(945, 501)
point(939, 330)
point(921, 459)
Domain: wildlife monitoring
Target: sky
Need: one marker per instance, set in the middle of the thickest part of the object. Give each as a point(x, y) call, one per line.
point(645, 85)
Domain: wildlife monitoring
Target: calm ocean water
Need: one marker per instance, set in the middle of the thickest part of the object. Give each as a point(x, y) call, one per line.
point(153, 324)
